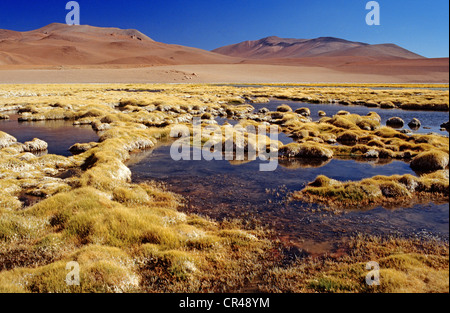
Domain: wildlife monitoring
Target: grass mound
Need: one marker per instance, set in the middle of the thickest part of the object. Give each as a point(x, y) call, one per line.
point(405, 266)
point(378, 190)
point(430, 161)
point(305, 150)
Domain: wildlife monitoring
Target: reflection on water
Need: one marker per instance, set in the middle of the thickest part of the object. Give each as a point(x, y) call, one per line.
point(430, 120)
point(60, 135)
point(221, 190)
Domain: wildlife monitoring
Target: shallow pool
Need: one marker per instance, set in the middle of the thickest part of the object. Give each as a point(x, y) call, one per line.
point(224, 190)
point(60, 134)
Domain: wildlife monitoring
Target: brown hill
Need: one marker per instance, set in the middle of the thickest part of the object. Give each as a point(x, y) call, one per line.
point(62, 53)
point(377, 52)
point(60, 44)
point(281, 48)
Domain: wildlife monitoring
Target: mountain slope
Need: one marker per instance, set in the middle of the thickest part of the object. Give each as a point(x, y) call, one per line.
point(381, 51)
point(60, 44)
point(279, 48)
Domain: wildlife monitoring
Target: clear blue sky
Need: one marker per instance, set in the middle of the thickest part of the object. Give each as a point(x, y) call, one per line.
point(417, 25)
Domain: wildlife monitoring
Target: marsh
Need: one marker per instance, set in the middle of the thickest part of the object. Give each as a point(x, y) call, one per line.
point(143, 222)
point(238, 190)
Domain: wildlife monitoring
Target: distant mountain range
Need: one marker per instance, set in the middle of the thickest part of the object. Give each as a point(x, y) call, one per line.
point(275, 48)
point(60, 44)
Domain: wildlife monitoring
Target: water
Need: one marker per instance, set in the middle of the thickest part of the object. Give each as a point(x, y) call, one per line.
point(60, 135)
point(431, 120)
point(220, 189)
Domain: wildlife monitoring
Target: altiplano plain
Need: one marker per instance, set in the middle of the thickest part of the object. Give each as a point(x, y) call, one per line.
point(120, 208)
point(131, 237)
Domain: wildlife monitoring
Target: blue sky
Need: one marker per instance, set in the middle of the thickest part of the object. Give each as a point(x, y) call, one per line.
point(417, 25)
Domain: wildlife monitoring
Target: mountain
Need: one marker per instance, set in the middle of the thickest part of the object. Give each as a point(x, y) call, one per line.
point(62, 53)
point(61, 44)
point(282, 48)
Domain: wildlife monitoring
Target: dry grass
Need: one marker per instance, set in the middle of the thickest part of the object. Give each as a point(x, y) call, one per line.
point(364, 136)
point(375, 191)
point(361, 85)
point(407, 99)
point(132, 238)
point(430, 161)
point(306, 150)
point(406, 266)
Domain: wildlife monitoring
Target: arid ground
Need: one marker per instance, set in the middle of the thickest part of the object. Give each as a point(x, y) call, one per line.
point(58, 53)
point(435, 72)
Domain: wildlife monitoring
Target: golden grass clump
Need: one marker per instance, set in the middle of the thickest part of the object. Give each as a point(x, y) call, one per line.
point(419, 98)
point(430, 161)
point(406, 266)
point(304, 111)
point(104, 269)
point(305, 150)
point(284, 108)
point(132, 240)
point(6, 140)
point(378, 190)
point(236, 110)
point(354, 121)
point(25, 174)
point(260, 100)
point(87, 216)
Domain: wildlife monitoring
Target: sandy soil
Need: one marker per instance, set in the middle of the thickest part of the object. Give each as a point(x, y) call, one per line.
point(221, 73)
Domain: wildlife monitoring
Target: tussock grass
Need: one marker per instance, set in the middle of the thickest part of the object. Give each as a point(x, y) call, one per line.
point(406, 266)
point(354, 121)
point(360, 136)
point(284, 108)
point(375, 191)
point(135, 240)
point(6, 140)
point(132, 238)
point(407, 99)
point(430, 161)
point(305, 150)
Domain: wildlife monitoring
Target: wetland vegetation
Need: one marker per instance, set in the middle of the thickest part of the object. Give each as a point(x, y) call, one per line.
point(135, 236)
